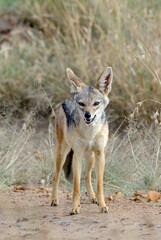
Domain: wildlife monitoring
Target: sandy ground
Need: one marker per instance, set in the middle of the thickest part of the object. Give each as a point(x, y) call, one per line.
point(28, 215)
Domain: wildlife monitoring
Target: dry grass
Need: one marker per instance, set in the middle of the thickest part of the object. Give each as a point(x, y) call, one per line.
point(26, 155)
point(133, 161)
point(85, 36)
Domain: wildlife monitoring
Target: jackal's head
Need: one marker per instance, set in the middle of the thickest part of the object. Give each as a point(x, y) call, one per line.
point(91, 100)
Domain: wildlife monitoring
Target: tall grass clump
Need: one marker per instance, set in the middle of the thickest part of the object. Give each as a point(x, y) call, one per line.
point(133, 161)
point(85, 36)
point(26, 156)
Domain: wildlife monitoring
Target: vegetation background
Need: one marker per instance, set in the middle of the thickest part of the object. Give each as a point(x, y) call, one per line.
point(38, 41)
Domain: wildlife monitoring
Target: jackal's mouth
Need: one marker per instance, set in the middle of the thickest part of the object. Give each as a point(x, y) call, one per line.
point(89, 120)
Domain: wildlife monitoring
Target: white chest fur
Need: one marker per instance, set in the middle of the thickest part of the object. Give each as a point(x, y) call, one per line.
point(88, 132)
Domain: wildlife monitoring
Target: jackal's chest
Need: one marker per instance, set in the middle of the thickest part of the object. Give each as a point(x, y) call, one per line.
point(88, 133)
point(86, 138)
point(88, 143)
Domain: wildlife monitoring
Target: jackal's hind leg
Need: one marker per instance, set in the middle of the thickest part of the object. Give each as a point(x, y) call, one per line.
point(89, 162)
point(60, 156)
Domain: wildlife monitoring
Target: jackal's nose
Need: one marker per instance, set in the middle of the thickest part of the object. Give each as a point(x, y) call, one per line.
point(87, 115)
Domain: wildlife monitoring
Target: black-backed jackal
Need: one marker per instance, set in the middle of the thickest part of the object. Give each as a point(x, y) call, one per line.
point(82, 131)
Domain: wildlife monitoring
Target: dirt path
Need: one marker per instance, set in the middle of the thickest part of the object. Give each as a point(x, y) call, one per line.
point(28, 215)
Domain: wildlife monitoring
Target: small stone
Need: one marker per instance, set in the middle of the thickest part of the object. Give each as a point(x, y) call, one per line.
point(104, 226)
point(36, 229)
point(96, 221)
point(54, 219)
point(24, 219)
point(65, 223)
point(19, 225)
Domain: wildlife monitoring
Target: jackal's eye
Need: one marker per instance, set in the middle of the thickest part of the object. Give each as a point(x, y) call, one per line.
point(81, 104)
point(96, 103)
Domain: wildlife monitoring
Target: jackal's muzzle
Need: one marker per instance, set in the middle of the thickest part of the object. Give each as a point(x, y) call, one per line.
point(88, 118)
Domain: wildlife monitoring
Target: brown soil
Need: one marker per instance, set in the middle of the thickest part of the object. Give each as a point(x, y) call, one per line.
point(28, 215)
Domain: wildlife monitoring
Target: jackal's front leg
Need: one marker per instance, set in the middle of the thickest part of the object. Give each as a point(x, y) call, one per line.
point(77, 162)
point(89, 162)
point(100, 162)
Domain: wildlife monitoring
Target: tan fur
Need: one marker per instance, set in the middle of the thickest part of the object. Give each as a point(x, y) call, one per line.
point(88, 141)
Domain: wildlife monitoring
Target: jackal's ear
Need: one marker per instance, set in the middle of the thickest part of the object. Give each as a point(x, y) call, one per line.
point(76, 82)
point(104, 82)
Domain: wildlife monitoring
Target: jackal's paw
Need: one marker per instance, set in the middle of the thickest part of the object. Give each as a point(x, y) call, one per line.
point(54, 202)
point(93, 200)
point(104, 209)
point(74, 211)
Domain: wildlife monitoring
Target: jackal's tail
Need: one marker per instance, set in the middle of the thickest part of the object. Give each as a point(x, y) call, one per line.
point(67, 167)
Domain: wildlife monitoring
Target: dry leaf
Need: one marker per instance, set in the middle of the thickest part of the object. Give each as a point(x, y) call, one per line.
point(153, 196)
point(24, 188)
point(69, 197)
point(137, 199)
point(48, 194)
point(118, 196)
point(108, 197)
point(48, 190)
point(141, 194)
